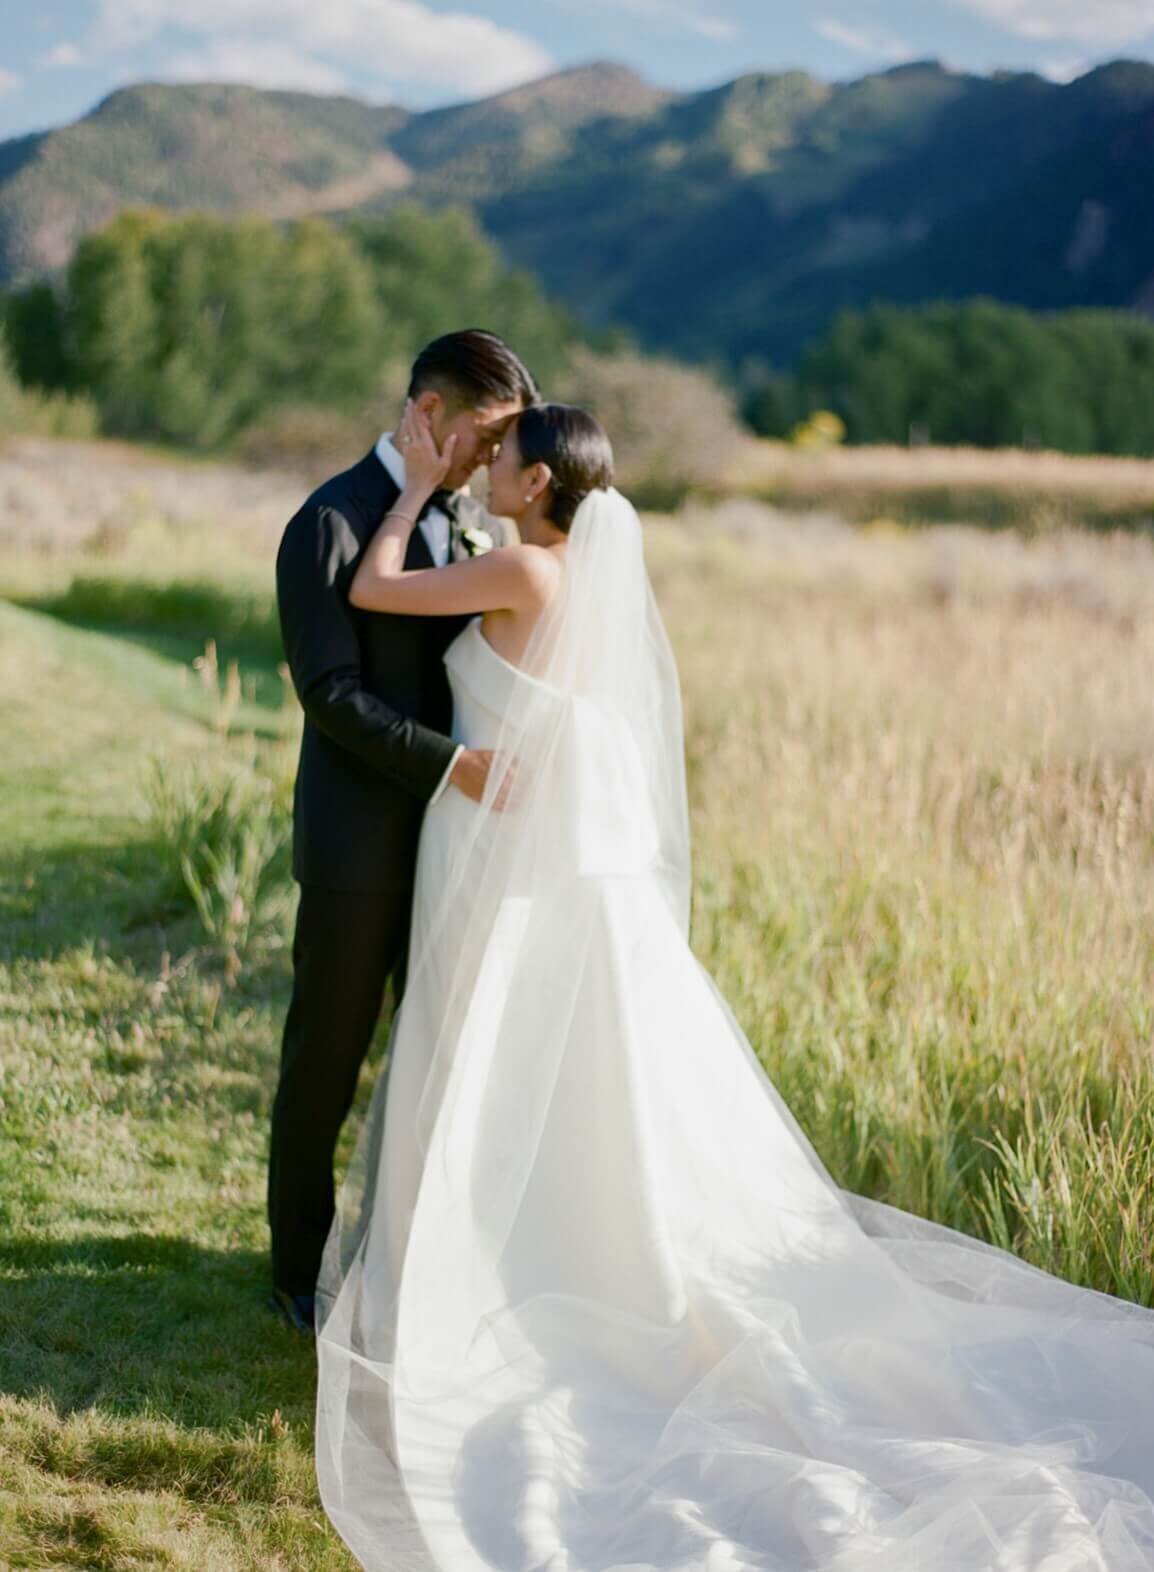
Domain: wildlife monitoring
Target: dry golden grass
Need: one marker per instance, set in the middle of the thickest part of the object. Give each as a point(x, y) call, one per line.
point(97, 497)
point(1037, 490)
point(923, 778)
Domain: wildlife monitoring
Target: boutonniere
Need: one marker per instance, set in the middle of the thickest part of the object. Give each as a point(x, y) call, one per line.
point(477, 540)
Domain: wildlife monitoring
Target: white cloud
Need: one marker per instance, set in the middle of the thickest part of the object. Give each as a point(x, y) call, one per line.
point(1105, 22)
point(256, 64)
point(9, 82)
point(719, 28)
point(875, 43)
point(1063, 68)
point(401, 40)
point(60, 57)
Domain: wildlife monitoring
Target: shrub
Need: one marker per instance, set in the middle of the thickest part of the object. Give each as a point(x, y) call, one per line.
point(821, 431)
point(227, 836)
point(673, 428)
point(28, 412)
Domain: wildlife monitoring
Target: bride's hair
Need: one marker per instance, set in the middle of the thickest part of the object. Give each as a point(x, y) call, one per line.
point(576, 449)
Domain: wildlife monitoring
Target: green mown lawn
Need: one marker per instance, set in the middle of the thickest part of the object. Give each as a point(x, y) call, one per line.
point(154, 1412)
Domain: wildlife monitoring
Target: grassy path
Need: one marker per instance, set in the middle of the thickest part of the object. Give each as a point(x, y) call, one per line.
point(154, 1413)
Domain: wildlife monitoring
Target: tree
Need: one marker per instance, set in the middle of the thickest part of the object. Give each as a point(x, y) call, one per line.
point(36, 333)
point(989, 374)
point(113, 321)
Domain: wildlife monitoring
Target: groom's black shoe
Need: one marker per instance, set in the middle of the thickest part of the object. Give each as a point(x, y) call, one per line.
point(296, 1309)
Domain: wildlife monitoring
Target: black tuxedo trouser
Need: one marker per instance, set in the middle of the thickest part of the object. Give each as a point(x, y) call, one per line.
point(345, 946)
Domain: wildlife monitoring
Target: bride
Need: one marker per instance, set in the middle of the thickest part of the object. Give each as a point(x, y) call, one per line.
point(591, 1302)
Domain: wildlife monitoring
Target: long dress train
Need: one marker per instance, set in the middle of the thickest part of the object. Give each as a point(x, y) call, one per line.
point(593, 1303)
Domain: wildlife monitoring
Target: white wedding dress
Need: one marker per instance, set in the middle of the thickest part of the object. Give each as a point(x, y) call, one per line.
point(593, 1304)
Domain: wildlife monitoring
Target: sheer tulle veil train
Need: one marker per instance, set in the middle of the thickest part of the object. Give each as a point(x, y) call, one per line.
point(591, 1302)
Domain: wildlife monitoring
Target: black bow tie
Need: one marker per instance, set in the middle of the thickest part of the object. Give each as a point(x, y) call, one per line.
point(447, 501)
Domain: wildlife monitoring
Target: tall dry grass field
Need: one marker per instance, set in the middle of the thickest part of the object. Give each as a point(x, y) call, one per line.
point(923, 777)
point(1029, 491)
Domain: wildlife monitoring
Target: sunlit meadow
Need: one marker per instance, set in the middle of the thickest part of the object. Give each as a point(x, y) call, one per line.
point(922, 773)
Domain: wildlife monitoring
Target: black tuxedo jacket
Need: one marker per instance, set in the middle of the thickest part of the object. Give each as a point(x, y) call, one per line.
point(378, 709)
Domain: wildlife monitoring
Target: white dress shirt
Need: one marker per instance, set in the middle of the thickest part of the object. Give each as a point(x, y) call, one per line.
point(435, 524)
point(435, 528)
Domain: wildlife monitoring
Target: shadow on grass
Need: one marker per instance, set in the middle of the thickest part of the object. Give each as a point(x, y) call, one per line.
point(193, 610)
point(262, 712)
point(148, 1325)
point(175, 622)
point(121, 898)
point(124, 904)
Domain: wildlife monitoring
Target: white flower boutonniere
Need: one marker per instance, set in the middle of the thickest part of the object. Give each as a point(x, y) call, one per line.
point(477, 540)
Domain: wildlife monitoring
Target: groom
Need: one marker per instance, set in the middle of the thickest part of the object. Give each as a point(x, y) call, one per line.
point(374, 753)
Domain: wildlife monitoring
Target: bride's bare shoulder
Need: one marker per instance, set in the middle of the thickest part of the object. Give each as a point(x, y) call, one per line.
point(539, 566)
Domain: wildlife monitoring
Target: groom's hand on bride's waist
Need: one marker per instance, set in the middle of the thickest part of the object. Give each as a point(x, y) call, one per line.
point(471, 775)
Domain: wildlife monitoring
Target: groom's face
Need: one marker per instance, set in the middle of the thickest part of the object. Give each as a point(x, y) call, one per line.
point(478, 432)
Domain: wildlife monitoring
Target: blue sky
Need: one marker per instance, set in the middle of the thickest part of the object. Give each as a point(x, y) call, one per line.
point(59, 57)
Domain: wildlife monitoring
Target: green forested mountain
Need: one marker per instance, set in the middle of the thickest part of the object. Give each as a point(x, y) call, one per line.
point(719, 225)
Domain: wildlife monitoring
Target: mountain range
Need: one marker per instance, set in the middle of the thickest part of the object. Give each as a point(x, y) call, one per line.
point(715, 225)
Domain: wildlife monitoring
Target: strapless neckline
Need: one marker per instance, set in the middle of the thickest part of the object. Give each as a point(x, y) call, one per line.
point(496, 655)
point(495, 652)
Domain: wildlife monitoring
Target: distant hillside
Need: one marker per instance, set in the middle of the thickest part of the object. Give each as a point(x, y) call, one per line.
point(716, 225)
point(239, 149)
point(227, 149)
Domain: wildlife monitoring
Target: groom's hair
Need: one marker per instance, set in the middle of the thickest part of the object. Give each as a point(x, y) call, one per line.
point(471, 369)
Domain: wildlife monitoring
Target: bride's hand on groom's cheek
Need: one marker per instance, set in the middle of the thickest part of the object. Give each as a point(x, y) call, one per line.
point(426, 465)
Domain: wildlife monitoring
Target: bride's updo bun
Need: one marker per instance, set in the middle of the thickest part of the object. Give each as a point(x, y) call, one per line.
point(576, 449)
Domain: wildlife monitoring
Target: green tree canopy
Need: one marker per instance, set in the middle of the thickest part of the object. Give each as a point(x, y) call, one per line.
point(978, 372)
point(189, 329)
